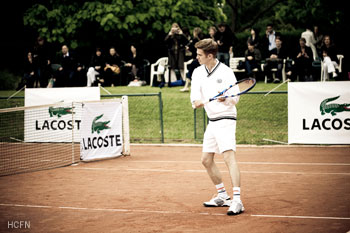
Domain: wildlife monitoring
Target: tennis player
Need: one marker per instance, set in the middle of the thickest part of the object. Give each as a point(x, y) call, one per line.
point(209, 79)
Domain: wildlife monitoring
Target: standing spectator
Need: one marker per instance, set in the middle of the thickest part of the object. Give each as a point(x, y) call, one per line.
point(252, 59)
point(275, 60)
point(42, 58)
point(176, 42)
point(269, 40)
point(330, 59)
point(197, 36)
point(96, 67)
point(308, 35)
point(113, 67)
point(224, 39)
point(30, 69)
point(303, 61)
point(68, 67)
point(254, 39)
point(319, 39)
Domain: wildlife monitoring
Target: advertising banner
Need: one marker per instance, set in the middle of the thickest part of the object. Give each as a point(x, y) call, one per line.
point(101, 130)
point(319, 112)
point(55, 123)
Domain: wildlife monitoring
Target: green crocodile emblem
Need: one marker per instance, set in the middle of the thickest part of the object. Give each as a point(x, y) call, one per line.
point(333, 108)
point(59, 111)
point(99, 126)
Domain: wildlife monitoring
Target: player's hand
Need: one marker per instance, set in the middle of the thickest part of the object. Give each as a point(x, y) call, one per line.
point(198, 104)
point(221, 99)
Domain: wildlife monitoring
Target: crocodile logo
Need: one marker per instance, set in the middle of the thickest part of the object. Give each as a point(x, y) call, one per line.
point(99, 126)
point(333, 108)
point(60, 111)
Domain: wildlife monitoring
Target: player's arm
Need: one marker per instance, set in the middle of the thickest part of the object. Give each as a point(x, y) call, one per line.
point(196, 97)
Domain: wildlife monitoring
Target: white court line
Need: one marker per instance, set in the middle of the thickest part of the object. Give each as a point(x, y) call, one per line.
point(109, 210)
point(253, 163)
point(203, 171)
point(165, 212)
point(302, 217)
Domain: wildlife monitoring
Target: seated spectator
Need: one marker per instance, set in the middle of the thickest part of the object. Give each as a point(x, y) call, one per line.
point(30, 69)
point(212, 31)
point(252, 59)
point(330, 59)
point(303, 61)
point(69, 66)
point(96, 67)
point(134, 64)
point(275, 60)
point(113, 68)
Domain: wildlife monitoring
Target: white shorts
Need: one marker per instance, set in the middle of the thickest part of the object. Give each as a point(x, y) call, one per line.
point(220, 136)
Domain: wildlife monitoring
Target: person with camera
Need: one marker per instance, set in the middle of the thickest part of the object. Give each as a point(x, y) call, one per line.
point(176, 42)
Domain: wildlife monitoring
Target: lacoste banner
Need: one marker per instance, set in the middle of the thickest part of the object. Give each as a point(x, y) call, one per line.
point(55, 123)
point(101, 130)
point(319, 112)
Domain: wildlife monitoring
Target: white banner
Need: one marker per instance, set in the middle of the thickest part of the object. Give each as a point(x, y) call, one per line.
point(54, 124)
point(319, 112)
point(101, 130)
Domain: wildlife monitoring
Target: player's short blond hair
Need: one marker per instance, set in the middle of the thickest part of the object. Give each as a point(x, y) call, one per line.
point(209, 46)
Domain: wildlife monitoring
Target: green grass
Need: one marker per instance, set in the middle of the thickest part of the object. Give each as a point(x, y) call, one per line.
point(258, 116)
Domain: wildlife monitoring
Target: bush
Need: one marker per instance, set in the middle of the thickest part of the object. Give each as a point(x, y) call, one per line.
point(8, 80)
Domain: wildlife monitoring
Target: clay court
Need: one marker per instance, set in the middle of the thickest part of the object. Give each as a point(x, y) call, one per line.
point(161, 189)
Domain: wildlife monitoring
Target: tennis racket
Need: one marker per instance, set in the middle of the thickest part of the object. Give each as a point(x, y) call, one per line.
point(243, 85)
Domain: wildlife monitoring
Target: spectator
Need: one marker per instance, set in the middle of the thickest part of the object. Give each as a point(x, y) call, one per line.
point(308, 35)
point(319, 39)
point(253, 39)
point(224, 39)
point(113, 68)
point(303, 61)
point(176, 42)
point(212, 32)
point(30, 69)
point(68, 68)
point(42, 58)
point(197, 36)
point(330, 59)
point(270, 38)
point(96, 67)
point(252, 59)
point(134, 64)
point(275, 60)
point(187, 34)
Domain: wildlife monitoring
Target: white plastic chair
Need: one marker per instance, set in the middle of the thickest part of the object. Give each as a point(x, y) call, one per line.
point(339, 67)
point(234, 62)
point(159, 68)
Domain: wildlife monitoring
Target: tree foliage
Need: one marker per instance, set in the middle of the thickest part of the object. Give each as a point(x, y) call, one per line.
point(69, 21)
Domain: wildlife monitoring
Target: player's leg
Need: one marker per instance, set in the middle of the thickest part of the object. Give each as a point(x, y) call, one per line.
point(222, 198)
point(236, 206)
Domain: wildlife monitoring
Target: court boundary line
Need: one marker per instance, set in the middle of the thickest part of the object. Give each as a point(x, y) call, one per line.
point(203, 171)
point(244, 145)
point(246, 163)
point(164, 211)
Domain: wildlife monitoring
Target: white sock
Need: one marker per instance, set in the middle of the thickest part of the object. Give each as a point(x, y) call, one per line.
point(237, 193)
point(221, 190)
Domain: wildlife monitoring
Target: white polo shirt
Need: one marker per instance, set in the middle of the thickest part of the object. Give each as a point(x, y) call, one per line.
point(206, 84)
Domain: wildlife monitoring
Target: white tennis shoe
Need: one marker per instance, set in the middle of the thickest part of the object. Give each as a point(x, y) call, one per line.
point(217, 201)
point(236, 207)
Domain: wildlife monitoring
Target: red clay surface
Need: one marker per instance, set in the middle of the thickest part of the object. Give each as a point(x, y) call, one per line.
point(161, 189)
